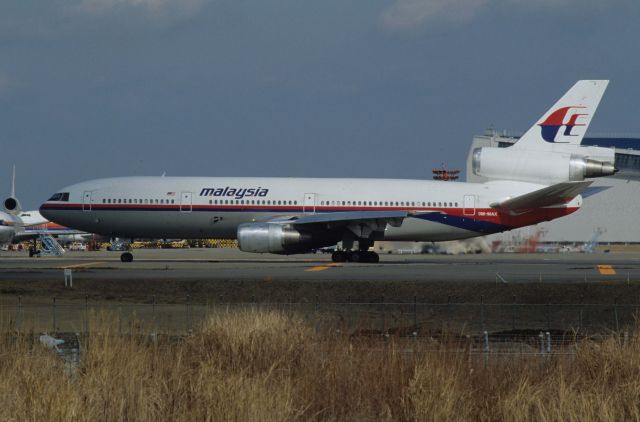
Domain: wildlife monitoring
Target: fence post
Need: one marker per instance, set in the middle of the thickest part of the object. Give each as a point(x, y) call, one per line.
point(548, 307)
point(513, 313)
point(19, 316)
point(485, 347)
point(54, 314)
point(415, 314)
point(384, 322)
point(482, 312)
point(187, 313)
point(86, 315)
point(615, 313)
point(548, 335)
point(541, 344)
point(449, 312)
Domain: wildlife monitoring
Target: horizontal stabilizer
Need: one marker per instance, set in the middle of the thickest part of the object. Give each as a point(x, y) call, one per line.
point(560, 193)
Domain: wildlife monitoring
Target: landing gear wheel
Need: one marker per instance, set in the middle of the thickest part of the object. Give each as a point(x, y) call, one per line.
point(357, 257)
point(126, 257)
point(338, 256)
point(373, 257)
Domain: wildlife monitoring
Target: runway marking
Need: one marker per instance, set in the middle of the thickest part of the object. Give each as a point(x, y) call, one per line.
point(322, 267)
point(85, 264)
point(606, 270)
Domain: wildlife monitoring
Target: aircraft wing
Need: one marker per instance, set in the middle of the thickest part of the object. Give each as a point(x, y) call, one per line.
point(349, 217)
point(30, 233)
point(560, 193)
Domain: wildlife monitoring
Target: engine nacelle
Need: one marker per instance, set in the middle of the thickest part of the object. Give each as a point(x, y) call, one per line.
point(537, 166)
point(271, 238)
point(12, 205)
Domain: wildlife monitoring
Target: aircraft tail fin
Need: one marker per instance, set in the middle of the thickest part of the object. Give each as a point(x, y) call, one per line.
point(11, 204)
point(569, 118)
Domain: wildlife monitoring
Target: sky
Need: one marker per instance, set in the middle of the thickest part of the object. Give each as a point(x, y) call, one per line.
point(331, 88)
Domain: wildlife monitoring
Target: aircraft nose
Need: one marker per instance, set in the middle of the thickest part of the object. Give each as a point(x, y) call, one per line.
point(45, 212)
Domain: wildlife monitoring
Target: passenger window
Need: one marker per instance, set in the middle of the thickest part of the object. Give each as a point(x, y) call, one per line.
point(423, 204)
point(439, 204)
point(103, 200)
point(295, 202)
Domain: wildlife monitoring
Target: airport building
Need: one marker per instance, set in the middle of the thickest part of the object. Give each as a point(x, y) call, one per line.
point(609, 216)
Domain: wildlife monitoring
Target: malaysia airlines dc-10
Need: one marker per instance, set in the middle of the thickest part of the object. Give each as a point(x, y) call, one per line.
point(538, 179)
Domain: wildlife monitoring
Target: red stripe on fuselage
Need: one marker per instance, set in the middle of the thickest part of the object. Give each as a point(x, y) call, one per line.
point(489, 215)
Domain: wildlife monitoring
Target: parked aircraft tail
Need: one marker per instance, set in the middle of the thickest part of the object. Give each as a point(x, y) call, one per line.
point(11, 204)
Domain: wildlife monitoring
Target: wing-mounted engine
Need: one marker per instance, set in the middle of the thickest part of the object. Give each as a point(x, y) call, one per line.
point(272, 238)
point(540, 166)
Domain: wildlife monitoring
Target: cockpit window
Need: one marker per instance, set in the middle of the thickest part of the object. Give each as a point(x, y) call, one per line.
point(60, 196)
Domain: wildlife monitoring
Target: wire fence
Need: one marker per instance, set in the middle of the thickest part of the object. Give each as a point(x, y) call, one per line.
point(382, 318)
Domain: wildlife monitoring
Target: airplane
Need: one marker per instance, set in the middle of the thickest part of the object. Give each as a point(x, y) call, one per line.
point(17, 225)
point(540, 178)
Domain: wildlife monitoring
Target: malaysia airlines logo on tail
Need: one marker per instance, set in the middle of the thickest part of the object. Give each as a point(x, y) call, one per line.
point(556, 120)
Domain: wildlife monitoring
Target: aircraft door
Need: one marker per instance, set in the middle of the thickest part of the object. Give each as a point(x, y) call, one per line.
point(309, 203)
point(186, 204)
point(469, 205)
point(86, 201)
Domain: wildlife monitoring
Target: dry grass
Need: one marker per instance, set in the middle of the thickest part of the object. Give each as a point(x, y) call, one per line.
point(270, 366)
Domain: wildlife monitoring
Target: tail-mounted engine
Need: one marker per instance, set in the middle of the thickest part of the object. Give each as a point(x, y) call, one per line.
point(12, 205)
point(537, 166)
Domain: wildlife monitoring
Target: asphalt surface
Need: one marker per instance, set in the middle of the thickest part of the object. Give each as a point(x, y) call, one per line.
point(227, 264)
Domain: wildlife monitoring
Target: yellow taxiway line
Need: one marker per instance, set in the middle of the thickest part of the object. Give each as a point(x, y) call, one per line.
point(85, 264)
point(321, 267)
point(606, 270)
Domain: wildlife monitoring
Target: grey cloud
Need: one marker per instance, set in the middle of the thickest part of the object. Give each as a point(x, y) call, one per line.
point(153, 8)
point(408, 14)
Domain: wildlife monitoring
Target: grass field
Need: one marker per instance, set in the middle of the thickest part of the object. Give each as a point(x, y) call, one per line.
point(272, 366)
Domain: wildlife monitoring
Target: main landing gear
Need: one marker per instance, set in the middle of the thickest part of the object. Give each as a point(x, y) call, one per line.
point(355, 256)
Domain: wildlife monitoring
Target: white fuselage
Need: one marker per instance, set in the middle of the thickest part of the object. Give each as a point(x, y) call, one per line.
point(206, 207)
